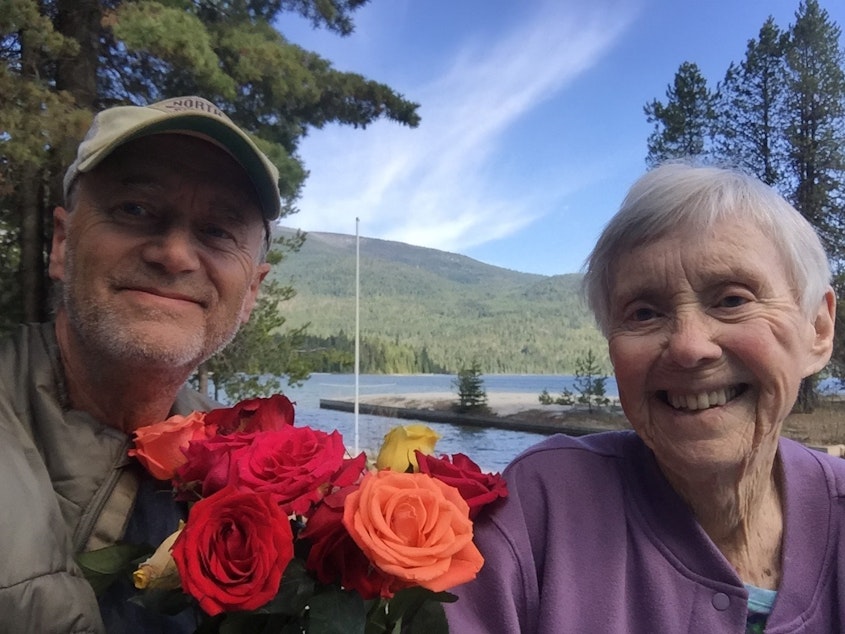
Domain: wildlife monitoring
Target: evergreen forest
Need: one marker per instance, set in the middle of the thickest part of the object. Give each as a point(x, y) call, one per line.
point(423, 310)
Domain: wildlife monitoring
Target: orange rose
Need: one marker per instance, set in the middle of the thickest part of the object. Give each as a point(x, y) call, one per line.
point(415, 528)
point(159, 446)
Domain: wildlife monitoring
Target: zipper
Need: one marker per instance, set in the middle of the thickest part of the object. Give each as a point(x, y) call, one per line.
point(91, 514)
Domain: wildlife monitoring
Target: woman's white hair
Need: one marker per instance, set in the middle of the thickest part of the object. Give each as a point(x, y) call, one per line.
point(693, 199)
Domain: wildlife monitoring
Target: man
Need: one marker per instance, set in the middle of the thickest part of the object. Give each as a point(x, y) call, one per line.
point(159, 254)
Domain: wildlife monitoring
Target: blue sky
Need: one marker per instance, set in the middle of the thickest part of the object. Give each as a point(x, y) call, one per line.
point(532, 117)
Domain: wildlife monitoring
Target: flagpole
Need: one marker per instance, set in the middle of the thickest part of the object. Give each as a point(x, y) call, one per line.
point(357, 325)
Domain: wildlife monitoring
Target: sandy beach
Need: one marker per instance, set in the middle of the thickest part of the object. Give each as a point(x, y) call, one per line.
point(514, 406)
point(499, 403)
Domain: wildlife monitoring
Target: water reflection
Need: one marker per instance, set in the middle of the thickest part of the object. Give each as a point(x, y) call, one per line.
point(491, 448)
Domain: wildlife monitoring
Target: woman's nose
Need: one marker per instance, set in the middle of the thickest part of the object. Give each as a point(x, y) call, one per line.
point(692, 340)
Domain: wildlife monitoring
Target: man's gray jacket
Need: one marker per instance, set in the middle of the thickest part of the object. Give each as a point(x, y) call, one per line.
point(63, 489)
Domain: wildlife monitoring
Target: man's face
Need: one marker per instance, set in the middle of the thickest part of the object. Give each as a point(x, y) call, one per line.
point(160, 254)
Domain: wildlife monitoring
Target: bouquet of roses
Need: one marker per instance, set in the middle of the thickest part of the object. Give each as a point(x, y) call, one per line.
point(287, 532)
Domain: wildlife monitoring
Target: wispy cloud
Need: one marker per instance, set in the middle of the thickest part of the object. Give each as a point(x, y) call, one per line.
point(442, 185)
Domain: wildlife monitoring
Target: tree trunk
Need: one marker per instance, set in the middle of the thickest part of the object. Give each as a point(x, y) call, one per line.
point(79, 20)
point(202, 379)
point(31, 268)
point(40, 189)
point(32, 259)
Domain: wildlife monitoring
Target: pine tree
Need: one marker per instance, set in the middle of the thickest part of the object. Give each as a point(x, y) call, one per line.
point(472, 397)
point(590, 381)
point(750, 120)
point(816, 142)
point(816, 123)
point(681, 125)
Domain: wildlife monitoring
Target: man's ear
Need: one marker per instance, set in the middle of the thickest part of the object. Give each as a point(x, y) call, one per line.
point(57, 250)
point(252, 294)
point(823, 326)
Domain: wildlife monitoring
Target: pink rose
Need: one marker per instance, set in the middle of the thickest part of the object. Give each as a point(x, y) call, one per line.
point(295, 465)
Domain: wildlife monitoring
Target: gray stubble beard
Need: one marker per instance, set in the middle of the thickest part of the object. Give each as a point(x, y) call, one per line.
point(104, 332)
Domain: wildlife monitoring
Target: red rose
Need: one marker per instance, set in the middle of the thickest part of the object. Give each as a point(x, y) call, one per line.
point(477, 488)
point(233, 551)
point(207, 465)
point(334, 555)
point(350, 471)
point(254, 414)
point(159, 446)
point(294, 464)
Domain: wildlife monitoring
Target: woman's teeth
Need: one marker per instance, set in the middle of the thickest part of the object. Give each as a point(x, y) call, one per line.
point(704, 400)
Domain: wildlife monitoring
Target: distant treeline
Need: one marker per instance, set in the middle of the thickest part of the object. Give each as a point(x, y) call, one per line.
point(378, 355)
point(336, 353)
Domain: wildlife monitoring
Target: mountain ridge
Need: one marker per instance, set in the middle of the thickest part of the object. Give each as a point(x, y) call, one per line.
point(456, 308)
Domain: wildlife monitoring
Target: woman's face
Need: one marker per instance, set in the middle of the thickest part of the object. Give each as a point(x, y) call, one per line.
point(709, 346)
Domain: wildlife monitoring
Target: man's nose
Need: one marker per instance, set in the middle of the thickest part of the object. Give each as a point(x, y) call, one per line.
point(174, 249)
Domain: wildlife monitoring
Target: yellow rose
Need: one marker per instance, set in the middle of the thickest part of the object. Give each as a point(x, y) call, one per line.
point(159, 571)
point(397, 451)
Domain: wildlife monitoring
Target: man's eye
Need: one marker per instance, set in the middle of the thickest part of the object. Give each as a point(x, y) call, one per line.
point(133, 209)
point(217, 232)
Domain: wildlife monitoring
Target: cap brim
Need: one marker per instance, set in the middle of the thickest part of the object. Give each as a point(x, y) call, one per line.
point(259, 170)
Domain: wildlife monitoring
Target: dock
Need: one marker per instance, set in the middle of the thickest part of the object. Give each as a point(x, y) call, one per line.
point(538, 426)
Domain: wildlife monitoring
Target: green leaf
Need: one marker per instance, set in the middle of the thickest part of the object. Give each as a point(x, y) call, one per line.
point(163, 601)
point(256, 623)
point(406, 609)
point(295, 591)
point(406, 602)
point(378, 619)
point(430, 618)
point(102, 567)
point(239, 622)
point(211, 625)
point(337, 611)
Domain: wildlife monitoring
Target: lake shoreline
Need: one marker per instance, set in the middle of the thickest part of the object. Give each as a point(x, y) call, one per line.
point(516, 411)
point(824, 429)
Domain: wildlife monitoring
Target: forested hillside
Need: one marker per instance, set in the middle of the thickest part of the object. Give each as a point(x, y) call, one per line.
point(442, 308)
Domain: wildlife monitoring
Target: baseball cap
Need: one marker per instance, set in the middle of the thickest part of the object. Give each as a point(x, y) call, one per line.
point(196, 116)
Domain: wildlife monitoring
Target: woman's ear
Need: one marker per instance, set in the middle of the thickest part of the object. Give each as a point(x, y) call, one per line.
point(823, 325)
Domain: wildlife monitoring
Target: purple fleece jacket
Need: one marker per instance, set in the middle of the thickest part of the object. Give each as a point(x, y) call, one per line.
point(593, 539)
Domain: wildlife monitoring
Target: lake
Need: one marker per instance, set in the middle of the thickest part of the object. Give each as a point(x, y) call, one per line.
point(492, 449)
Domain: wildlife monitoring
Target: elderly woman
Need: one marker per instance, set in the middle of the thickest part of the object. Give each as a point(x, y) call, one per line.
point(714, 296)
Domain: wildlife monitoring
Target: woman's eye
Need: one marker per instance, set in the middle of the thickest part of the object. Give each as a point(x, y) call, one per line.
point(732, 301)
point(643, 314)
